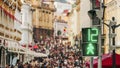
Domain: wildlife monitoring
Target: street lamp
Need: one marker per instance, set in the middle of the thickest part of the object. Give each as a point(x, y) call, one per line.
point(112, 26)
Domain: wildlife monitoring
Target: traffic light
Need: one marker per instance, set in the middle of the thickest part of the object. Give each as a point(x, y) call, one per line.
point(95, 4)
point(93, 14)
point(90, 41)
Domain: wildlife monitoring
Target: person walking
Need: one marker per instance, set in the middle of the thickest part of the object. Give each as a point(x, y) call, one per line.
point(14, 61)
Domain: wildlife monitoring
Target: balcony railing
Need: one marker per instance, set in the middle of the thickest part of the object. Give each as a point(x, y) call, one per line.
point(27, 27)
point(10, 33)
point(18, 35)
point(6, 32)
point(1, 29)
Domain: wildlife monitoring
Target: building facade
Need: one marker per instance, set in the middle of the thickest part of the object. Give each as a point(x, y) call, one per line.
point(85, 21)
point(43, 19)
point(9, 35)
point(74, 22)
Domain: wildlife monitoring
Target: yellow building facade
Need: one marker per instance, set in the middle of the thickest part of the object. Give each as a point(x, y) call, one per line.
point(43, 18)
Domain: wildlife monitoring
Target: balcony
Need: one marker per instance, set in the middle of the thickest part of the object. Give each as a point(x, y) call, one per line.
point(18, 35)
point(7, 32)
point(14, 34)
point(27, 27)
point(11, 33)
point(1, 29)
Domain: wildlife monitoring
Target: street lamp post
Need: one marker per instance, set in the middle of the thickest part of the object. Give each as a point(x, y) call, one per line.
point(113, 40)
point(112, 26)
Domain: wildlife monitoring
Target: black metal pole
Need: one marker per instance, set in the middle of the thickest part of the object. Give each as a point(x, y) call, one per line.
point(104, 9)
point(113, 55)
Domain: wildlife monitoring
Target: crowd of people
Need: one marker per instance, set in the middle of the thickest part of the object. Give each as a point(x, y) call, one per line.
point(60, 55)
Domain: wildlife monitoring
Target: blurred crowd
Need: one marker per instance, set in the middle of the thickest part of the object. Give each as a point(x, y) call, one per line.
point(60, 55)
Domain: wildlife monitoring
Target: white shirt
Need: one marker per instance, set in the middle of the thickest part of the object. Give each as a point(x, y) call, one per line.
point(14, 61)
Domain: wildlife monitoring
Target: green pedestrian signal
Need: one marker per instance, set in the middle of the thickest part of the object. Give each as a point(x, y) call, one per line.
point(90, 49)
point(90, 41)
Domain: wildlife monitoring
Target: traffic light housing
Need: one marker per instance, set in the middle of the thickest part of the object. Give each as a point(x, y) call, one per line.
point(95, 4)
point(90, 41)
point(93, 14)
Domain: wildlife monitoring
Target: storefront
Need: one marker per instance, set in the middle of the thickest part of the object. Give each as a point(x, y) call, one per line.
point(3, 52)
point(15, 48)
point(2, 56)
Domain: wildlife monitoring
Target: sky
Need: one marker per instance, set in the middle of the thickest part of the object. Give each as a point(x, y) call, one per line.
point(62, 1)
point(66, 1)
point(62, 5)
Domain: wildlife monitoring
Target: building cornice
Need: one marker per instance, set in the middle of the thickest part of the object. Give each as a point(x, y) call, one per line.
point(111, 3)
point(40, 5)
point(12, 4)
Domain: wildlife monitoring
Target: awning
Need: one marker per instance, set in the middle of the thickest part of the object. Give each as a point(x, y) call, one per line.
point(35, 54)
point(40, 55)
point(32, 53)
point(16, 49)
point(106, 61)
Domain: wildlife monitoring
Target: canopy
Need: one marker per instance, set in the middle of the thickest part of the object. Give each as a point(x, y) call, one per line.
point(35, 54)
point(106, 61)
point(40, 55)
point(16, 48)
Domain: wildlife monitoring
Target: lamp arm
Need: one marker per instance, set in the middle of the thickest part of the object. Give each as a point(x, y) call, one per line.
point(117, 25)
point(106, 24)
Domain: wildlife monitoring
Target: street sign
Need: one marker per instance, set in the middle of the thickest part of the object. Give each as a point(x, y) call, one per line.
point(90, 41)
